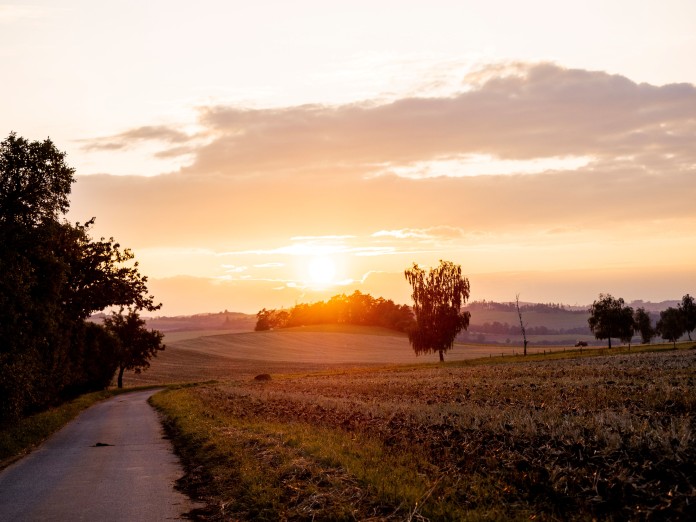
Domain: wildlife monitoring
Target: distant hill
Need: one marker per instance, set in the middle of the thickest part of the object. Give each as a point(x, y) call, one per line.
point(546, 323)
point(232, 321)
point(491, 322)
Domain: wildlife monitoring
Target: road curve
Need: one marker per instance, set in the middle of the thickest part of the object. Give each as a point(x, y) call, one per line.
point(110, 463)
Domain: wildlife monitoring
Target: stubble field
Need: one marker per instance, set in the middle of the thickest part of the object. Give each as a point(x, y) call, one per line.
point(209, 355)
point(611, 437)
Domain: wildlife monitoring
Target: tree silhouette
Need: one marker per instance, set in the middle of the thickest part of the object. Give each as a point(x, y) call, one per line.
point(53, 275)
point(642, 324)
point(610, 317)
point(671, 324)
point(523, 326)
point(438, 296)
point(136, 345)
point(35, 181)
point(688, 309)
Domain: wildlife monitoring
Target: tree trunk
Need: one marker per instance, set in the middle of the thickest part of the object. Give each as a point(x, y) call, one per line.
point(120, 377)
point(442, 358)
point(610, 343)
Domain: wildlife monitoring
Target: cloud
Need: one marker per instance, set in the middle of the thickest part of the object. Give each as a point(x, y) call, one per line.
point(534, 112)
point(130, 138)
point(440, 232)
point(508, 118)
point(310, 173)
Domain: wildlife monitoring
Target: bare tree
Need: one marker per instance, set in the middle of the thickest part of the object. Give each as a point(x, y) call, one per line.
point(522, 324)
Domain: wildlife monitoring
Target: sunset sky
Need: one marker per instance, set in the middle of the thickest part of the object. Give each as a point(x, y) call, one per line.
point(263, 154)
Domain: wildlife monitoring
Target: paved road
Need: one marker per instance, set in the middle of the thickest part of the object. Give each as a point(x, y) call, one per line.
point(71, 477)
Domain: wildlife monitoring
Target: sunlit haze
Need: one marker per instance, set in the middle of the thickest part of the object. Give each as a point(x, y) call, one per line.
point(263, 154)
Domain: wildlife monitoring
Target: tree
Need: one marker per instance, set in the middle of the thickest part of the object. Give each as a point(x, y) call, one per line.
point(642, 323)
point(136, 345)
point(53, 275)
point(523, 327)
point(610, 317)
point(671, 324)
point(688, 309)
point(438, 296)
point(35, 181)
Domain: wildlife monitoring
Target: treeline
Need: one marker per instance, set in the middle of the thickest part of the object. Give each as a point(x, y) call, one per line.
point(507, 329)
point(53, 276)
point(357, 309)
point(612, 318)
point(544, 308)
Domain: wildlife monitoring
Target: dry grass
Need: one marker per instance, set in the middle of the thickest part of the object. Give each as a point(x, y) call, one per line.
point(604, 437)
point(210, 355)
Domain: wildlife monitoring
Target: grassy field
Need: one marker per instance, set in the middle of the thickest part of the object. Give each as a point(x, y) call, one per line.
point(206, 355)
point(351, 425)
point(607, 437)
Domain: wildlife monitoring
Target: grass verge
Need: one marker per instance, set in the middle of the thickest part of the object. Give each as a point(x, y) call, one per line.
point(248, 468)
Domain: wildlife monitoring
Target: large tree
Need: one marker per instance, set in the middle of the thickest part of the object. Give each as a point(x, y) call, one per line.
point(688, 309)
point(53, 275)
point(610, 317)
point(136, 345)
point(438, 296)
point(671, 325)
point(34, 183)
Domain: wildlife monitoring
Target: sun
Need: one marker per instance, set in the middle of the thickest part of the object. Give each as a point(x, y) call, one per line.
point(322, 271)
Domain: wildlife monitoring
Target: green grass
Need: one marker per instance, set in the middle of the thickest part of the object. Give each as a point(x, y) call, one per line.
point(271, 470)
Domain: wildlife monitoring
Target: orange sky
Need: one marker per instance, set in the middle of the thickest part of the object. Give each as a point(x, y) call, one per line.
point(533, 160)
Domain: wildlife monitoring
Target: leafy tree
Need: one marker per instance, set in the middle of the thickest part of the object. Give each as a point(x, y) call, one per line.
point(610, 317)
point(357, 308)
point(438, 296)
point(642, 323)
point(35, 181)
point(671, 324)
point(688, 309)
point(53, 275)
point(135, 344)
point(93, 357)
point(263, 320)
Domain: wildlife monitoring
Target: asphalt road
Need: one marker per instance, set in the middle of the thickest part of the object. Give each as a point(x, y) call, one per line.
point(75, 476)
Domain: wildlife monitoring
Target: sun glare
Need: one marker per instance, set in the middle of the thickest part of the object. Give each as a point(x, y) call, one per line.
point(322, 271)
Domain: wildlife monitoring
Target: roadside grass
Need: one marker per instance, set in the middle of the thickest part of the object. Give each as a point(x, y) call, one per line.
point(19, 438)
point(248, 468)
point(604, 437)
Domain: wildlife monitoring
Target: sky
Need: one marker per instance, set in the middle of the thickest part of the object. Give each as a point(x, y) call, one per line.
point(259, 156)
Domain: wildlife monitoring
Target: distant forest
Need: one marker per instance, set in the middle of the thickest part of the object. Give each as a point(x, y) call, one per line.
point(544, 308)
point(357, 309)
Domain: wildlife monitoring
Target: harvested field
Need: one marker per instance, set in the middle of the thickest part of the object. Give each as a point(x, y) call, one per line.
point(611, 437)
point(201, 356)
